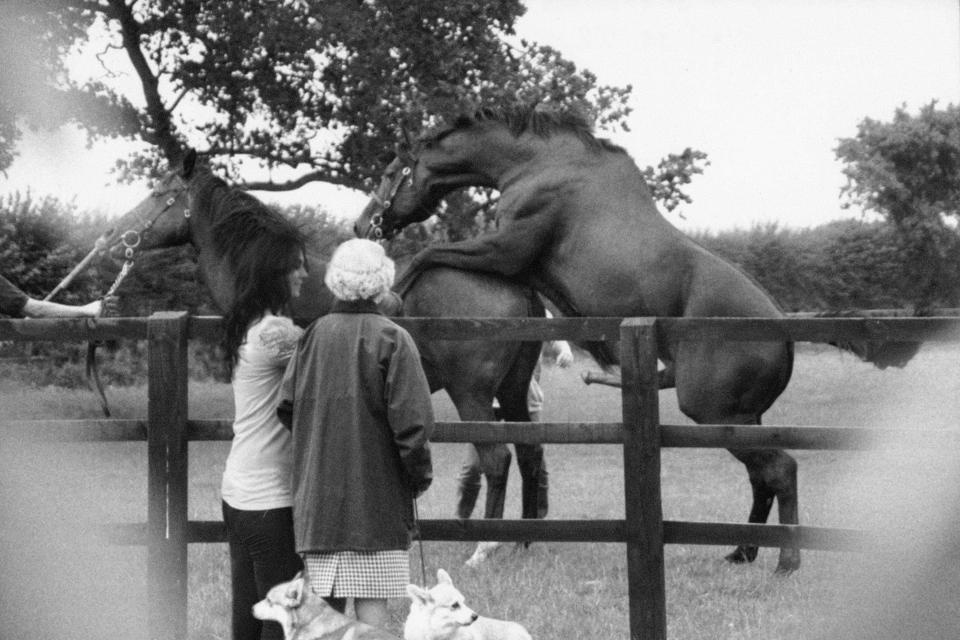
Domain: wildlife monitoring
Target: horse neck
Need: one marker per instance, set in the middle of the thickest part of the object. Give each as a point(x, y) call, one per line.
point(509, 158)
point(214, 270)
point(486, 160)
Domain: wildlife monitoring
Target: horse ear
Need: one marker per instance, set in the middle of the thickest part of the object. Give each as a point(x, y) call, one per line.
point(189, 163)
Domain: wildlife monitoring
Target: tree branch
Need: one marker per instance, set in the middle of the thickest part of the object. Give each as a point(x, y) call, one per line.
point(307, 178)
point(162, 133)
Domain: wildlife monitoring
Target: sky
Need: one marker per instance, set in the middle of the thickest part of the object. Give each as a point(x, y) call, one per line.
point(766, 89)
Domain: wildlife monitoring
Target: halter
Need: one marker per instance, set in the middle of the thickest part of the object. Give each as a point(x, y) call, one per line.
point(376, 220)
point(131, 238)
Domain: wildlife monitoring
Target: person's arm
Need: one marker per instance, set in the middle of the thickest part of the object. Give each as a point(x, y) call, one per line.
point(278, 341)
point(45, 309)
point(410, 413)
point(560, 351)
point(285, 408)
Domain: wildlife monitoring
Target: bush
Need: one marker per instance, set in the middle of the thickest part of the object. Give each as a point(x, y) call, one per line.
point(847, 264)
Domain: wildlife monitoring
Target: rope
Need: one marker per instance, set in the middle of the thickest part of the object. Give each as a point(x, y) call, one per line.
point(98, 247)
point(423, 567)
point(93, 374)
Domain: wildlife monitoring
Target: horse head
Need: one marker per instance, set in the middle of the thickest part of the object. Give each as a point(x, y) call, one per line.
point(391, 206)
point(160, 220)
point(421, 175)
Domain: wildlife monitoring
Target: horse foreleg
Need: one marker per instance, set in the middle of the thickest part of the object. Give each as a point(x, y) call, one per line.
point(468, 483)
point(505, 252)
point(773, 475)
point(533, 472)
point(495, 464)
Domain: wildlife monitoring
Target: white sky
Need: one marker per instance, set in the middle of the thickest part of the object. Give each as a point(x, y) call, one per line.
point(765, 88)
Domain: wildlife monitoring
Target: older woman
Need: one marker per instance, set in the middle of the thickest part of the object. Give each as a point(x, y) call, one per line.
point(357, 400)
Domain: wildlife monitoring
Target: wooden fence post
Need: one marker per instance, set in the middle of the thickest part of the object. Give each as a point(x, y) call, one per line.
point(167, 476)
point(641, 472)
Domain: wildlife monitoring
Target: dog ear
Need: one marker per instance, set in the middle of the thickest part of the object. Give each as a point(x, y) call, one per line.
point(418, 595)
point(443, 577)
point(295, 591)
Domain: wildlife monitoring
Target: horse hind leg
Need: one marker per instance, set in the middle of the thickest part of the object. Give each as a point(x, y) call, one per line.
point(513, 398)
point(490, 459)
point(773, 476)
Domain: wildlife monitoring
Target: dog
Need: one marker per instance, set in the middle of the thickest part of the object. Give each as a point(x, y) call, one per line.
point(306, 616)
point(440, 614)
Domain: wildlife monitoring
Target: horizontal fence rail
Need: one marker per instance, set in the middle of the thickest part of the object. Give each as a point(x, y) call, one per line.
point(673, 436)
point(167, 430)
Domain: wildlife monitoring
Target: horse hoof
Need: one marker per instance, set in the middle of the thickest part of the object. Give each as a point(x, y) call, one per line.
point(484, 550)
point(742, 555)
point(789, 562)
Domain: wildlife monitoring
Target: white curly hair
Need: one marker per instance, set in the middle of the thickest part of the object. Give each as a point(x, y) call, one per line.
point(359, 270)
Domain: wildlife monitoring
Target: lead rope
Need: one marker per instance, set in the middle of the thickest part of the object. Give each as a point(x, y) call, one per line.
point(423, 566)
point(376, 222)
point(93, 373)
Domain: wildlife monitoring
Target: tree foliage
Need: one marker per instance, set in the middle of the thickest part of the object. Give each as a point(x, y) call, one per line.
point(304, 91)
point(908, 170)
point(842, 265)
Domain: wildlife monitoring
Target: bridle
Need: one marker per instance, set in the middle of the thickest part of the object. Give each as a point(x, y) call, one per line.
point(386, 201)
point(131, 238)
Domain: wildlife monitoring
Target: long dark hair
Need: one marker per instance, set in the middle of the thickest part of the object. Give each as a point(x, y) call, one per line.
point(262, 248)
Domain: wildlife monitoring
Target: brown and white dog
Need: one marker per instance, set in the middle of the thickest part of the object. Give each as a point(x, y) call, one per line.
point(306, 616)
point(441, 614)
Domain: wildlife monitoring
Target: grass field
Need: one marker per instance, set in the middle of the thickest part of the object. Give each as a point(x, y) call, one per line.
point(53, 494)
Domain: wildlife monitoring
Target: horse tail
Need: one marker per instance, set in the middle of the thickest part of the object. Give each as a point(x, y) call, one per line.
point(512, 391)
point(880, 353)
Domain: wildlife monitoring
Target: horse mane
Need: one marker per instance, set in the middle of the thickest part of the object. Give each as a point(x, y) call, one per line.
point(236, 215)
point(528, 118)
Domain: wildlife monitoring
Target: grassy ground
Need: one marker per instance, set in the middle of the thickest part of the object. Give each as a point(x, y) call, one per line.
point(555, 590)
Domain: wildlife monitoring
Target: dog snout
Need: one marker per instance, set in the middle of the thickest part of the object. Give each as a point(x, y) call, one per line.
point(474, 617)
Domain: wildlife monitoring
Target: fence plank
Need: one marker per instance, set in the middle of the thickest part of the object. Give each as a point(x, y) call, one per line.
point(796, 437)
point(641, 472)
point(769, 535)
point(167, 476)
point(73, 329)
point(107, 430)
point(513, 329)
point(812, 329)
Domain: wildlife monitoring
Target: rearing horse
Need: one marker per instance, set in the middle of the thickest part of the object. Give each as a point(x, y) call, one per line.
point(577, 222)
point(190, 205)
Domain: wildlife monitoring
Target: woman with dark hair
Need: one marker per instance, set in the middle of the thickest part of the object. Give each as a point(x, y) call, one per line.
point(266, 254)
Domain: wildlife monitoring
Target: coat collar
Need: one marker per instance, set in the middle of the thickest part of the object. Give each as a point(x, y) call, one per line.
point(354, 306)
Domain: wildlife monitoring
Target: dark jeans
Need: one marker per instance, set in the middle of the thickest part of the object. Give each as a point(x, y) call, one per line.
point(262, 554)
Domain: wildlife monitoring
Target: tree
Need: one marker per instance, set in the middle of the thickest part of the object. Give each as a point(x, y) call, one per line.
point(908, 170)
point(300, 91)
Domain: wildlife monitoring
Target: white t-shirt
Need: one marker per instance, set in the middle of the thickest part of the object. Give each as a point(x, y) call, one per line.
point(257, 475)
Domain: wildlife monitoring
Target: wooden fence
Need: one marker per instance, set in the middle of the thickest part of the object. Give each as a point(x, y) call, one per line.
point(168, 430)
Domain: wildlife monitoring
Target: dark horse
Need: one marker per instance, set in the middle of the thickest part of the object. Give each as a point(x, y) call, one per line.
point(577, 222)
point(190, 204)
